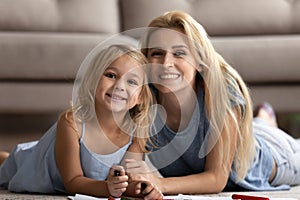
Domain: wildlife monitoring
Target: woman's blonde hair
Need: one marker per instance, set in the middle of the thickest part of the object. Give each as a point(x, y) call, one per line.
point(223, 87)
point(83, 106)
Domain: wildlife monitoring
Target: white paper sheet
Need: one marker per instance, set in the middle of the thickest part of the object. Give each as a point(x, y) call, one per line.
point(177, 197)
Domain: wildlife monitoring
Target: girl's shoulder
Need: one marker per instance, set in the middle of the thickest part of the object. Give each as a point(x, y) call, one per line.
point(68, 124)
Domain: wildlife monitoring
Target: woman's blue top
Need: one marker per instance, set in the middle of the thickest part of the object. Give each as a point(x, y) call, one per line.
point(183, 153)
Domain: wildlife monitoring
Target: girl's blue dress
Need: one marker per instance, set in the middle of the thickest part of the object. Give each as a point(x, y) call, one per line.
point(31, 167)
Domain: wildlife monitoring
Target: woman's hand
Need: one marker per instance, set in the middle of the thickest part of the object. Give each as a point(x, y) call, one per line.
point(117, 181)
point(145, 189)
point(139, 171)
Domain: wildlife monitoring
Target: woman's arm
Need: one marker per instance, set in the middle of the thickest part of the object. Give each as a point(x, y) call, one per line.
point(134, 152)
point(215, 175)
point(212, 180)
point(134, 156)
point(67, 151)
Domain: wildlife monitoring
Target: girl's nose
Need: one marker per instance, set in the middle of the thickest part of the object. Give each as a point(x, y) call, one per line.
point(120, 85)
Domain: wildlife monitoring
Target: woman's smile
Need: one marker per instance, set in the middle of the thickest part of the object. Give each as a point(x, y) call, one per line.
point(169, 76)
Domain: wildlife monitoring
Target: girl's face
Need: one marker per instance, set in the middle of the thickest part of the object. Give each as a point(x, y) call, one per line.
point(172, 64)
point(120, 85)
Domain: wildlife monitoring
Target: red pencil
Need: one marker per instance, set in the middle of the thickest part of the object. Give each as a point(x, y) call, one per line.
point(248, 197)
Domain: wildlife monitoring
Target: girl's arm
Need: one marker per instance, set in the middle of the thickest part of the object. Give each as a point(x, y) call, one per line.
point(67, 151)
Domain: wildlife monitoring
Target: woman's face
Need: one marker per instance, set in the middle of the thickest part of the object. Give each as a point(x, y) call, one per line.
point(173, 67)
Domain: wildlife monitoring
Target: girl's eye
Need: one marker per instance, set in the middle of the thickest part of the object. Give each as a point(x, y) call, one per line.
point(156, 53)
point(132, 82)
point(111, 75)
point(179, 53)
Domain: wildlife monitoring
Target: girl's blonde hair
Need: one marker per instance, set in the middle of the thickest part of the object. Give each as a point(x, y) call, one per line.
point(223, 87)
point(83, 107)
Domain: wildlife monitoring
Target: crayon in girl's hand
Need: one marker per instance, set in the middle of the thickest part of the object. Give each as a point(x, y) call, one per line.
point(143, 186)
point(117, 172)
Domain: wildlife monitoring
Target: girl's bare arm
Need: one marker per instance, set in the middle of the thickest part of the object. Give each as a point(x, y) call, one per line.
point(67, 151)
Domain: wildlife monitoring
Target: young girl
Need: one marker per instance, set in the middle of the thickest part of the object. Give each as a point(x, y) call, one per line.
point(204, 141)
point(81, 153)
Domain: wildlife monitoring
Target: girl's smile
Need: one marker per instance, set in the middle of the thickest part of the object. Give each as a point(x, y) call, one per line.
point(115, 97)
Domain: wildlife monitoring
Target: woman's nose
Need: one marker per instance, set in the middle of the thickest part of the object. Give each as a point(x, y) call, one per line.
point(168, 59)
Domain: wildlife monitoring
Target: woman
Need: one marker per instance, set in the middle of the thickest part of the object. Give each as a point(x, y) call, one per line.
point(204, 133)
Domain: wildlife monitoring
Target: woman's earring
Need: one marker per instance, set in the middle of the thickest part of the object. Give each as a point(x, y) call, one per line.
point(201, 69)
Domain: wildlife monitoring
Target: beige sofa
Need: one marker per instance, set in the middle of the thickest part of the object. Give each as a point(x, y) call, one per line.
point(43, 42)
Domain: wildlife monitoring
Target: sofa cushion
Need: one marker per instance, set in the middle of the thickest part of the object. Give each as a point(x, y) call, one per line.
point(30, 97)
point(62, 15)
point(28, 15)
point(262, 59)
point(100, 16)
point(48, 55)
point(221, 17)
point(43, 55)
point(284, 98)
point(138, 13)
point(296, 16)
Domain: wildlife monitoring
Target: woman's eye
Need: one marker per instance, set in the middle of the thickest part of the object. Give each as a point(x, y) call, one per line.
point(179, 53)
point(111, 75)
point(132, 82)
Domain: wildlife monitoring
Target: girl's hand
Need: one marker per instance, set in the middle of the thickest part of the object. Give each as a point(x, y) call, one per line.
point(148, 190)
point(117, 181)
